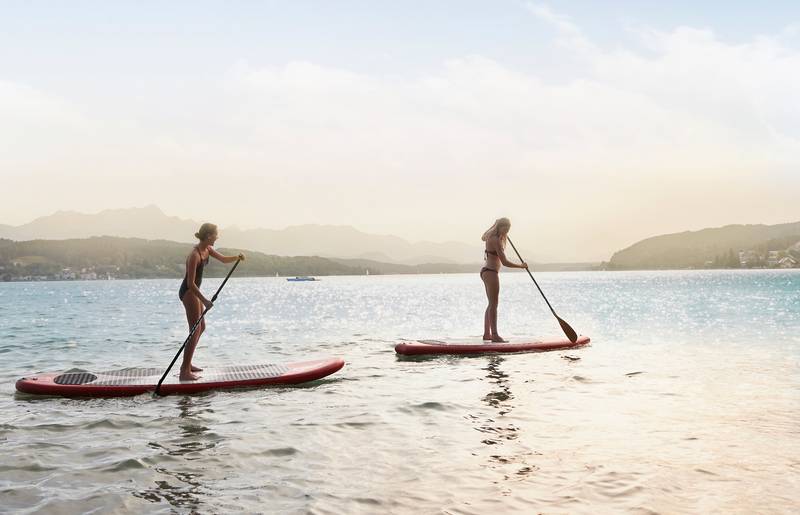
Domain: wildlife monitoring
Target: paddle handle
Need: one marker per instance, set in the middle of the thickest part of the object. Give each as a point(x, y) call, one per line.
point(194, 328)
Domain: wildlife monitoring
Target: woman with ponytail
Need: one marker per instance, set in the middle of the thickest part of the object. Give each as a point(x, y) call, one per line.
point(190, 294)
point(494, 253)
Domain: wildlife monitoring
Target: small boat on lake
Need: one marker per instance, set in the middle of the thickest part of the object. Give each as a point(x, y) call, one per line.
point(302, 278)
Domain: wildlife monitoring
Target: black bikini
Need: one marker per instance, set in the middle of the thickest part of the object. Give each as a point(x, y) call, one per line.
point(486, 256)
point(198, 275)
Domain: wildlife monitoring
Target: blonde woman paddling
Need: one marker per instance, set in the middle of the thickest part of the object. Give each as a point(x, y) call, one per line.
point(495, 237)
point(191, 296)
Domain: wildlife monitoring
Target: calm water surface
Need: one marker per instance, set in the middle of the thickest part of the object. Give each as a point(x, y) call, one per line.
point(688, 399)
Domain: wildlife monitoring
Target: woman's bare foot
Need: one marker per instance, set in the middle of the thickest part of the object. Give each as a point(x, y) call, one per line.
point(188, 376)
point(498, 339)
point(196, 369)
point(487, 337)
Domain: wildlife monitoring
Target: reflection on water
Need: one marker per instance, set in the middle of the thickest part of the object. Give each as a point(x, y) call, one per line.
point(508, 458)
point(499, 398)
point(183, 488)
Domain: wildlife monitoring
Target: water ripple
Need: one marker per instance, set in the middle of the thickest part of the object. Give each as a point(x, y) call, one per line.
point(686, 401)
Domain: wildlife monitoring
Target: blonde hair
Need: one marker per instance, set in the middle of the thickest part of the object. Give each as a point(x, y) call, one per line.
point(205, 231)
point(494, 230)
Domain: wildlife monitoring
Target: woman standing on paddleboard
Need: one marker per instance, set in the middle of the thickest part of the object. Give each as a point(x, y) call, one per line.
point(190, 294)
point(495, 255)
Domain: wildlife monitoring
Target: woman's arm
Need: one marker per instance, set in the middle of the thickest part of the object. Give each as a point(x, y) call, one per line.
point(191, 269)
point(224, 259)
point(503, 259)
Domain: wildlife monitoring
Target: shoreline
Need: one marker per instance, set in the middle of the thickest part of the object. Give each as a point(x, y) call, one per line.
point(284, 277)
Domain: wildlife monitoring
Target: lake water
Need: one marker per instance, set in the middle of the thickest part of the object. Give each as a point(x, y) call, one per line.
point(687, 400)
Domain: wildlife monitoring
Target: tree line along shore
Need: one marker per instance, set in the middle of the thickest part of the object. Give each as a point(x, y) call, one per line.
point(729, 247)
point(109, 257)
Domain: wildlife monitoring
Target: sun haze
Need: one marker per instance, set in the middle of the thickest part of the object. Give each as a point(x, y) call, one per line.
point(590, 130)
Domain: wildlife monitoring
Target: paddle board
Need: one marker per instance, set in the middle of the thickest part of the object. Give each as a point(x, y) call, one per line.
point(468, 346)
point(135, 381)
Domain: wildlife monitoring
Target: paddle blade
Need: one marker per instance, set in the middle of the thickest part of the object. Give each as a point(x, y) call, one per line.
point(569, 331)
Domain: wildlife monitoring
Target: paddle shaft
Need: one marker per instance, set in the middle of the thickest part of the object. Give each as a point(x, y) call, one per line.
point(531, 275)
point(194, 328)
point(568, 330)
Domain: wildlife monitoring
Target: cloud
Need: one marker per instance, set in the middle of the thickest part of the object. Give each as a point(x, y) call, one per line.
point(570, 36)
point(694, 105)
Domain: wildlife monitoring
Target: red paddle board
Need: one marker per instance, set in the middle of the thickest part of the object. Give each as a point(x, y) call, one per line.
point(480, 347)
point(135, 381)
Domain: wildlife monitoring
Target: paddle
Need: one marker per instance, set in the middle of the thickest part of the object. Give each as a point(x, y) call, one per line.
point(194, 327)
point(569, 331)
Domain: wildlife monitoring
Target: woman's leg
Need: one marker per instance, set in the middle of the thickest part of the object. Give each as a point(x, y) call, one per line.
point(200, 329)
point(194, 309)
point(487, 320)
point(492, 281)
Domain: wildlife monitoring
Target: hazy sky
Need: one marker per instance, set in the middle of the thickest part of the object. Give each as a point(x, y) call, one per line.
point(591, 127)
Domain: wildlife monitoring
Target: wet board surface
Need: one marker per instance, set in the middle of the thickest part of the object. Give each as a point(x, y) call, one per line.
point(135, 381)
point(471, 346)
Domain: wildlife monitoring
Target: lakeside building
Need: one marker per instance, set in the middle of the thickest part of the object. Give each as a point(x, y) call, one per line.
point(748, 258)
point(66, 274)
point(773, 256)
point(88, 276)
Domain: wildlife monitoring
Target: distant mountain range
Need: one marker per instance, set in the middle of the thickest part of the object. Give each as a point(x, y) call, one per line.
point(704, 248)
point(302, 240)
point(356, 251)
